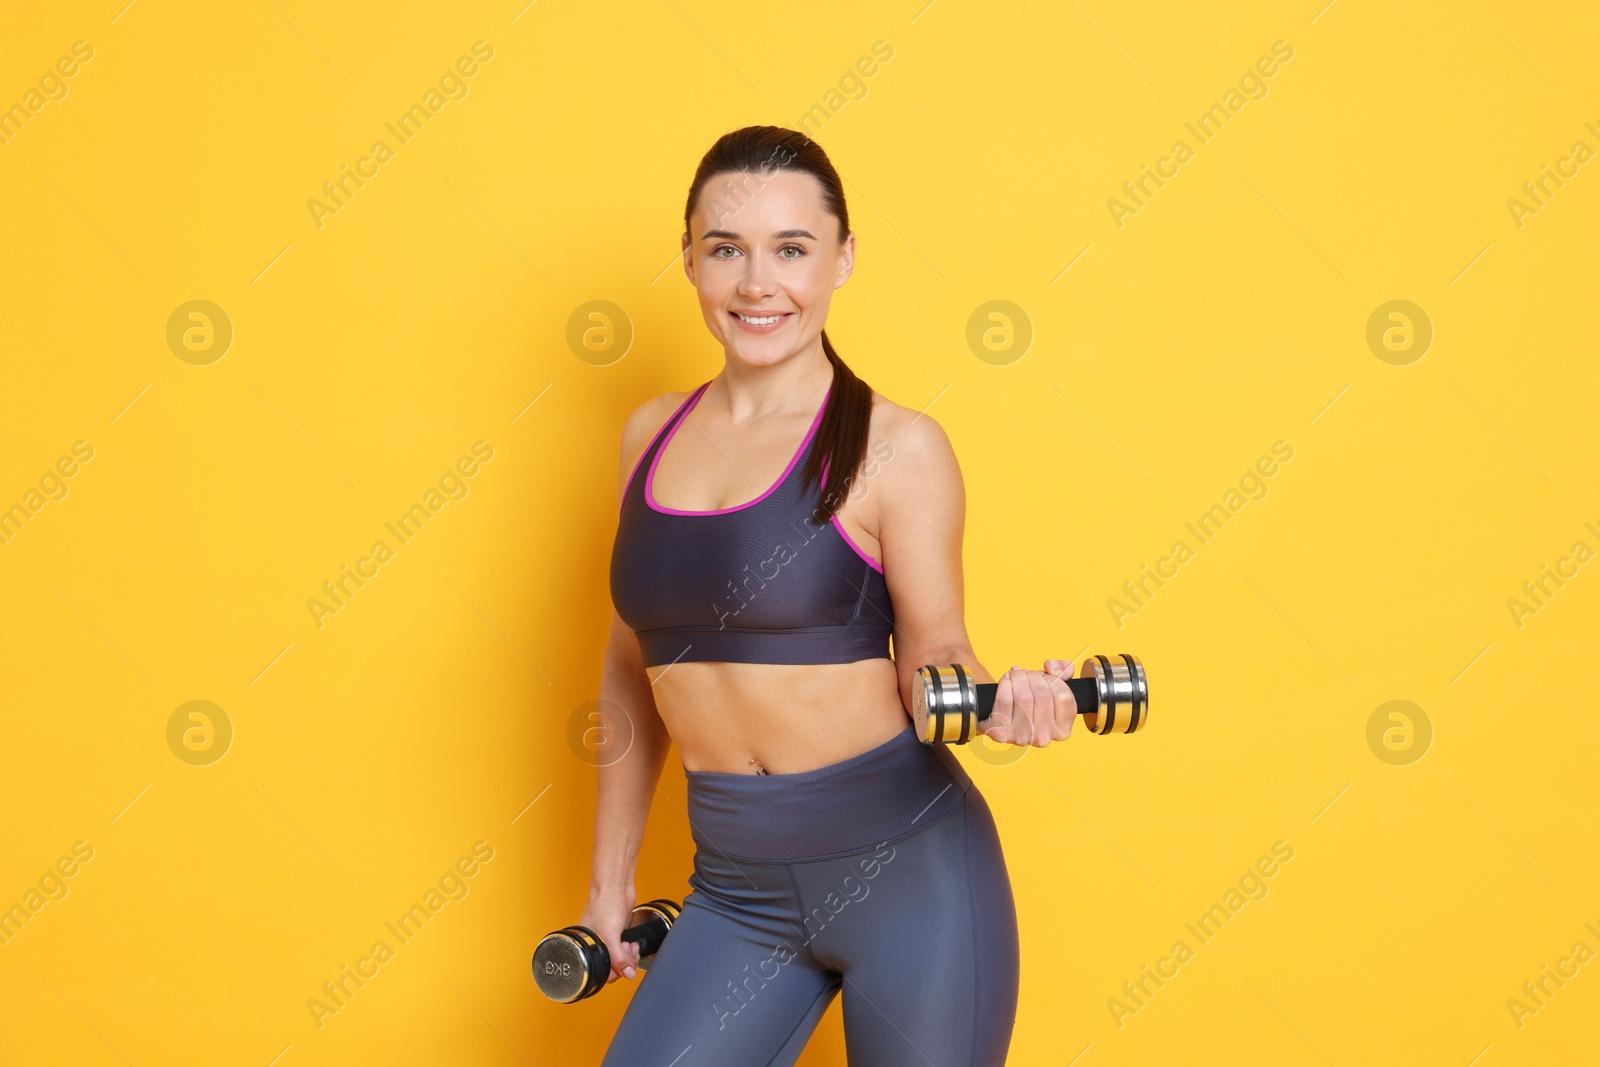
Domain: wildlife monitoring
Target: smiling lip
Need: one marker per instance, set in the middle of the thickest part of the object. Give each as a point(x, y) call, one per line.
point(752, 328)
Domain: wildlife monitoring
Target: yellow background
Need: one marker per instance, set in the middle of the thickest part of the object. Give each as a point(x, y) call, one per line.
point(432, 311)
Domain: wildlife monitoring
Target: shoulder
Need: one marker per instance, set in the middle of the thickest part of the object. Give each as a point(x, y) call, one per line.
point(641, 427)
point(644, 421)
point(911, 452)
point(909, 433)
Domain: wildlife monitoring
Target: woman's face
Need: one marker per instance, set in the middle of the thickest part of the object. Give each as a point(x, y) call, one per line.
point(764, 248)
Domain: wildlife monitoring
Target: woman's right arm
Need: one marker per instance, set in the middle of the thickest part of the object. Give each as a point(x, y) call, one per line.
point(631, 747)
point(627, 782)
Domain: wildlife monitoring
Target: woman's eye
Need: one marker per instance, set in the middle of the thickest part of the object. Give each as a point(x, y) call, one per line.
point(716, 253)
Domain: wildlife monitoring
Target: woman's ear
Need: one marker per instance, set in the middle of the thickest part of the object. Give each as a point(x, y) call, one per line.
point(847, 260)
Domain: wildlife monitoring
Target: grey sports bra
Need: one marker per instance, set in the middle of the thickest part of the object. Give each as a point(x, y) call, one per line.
point(759, 582)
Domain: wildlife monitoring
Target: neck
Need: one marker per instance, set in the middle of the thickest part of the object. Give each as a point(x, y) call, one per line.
point(798, 384)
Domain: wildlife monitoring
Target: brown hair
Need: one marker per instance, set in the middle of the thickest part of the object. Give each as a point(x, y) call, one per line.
point(842, 438)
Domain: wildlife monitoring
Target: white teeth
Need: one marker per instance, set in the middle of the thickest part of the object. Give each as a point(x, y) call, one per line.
point(767, 321)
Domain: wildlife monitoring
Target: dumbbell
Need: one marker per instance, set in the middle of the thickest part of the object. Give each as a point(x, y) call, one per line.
point(573, 963)
point(948, 707)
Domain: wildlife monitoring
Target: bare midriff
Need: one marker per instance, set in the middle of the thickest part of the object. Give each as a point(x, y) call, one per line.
point(777, 718)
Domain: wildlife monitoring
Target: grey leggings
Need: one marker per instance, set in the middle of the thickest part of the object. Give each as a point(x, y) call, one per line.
point(881, 875)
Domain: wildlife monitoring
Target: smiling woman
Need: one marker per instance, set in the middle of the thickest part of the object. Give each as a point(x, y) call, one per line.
point(790, 714)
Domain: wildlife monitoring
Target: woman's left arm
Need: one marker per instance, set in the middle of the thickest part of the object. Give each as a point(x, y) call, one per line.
point(921, 516)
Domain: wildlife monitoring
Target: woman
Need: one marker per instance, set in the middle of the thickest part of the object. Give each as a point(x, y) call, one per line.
point(756, 587)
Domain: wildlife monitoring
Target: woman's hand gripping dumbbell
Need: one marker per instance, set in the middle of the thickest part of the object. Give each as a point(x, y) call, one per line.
point(575, 962)
point(949, 707)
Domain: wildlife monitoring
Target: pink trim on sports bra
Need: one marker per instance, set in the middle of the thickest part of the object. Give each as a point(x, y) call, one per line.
point(840, 527)
point(634, 471)
point(649, 497)
point(849, 541)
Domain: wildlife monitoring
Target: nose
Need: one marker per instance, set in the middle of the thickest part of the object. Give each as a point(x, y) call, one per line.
point(756, 282)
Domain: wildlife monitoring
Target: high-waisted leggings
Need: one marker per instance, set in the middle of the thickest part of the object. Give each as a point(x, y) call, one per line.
point(880, 876)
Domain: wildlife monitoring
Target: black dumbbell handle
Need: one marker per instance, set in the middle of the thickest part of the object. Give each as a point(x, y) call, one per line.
point(649, 934)
point(1084, 691)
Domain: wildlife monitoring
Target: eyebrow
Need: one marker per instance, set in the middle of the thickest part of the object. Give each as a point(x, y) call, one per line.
point(710, 234)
